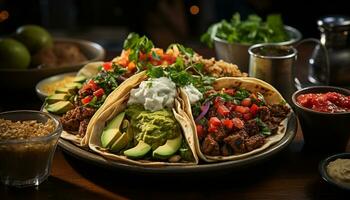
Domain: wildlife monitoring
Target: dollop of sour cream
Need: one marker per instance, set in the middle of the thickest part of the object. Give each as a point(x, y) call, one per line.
point(193, 93)
point(154, 94)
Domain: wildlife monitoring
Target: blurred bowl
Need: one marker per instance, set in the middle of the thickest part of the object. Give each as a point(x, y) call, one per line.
point(16, 79)
point(322, 168)
point(27, 161)
point(327, 132)
point(238, 53)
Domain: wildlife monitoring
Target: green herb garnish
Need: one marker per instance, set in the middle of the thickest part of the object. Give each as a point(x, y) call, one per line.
point(264, 129)
point(137, 44)
point(250, 31)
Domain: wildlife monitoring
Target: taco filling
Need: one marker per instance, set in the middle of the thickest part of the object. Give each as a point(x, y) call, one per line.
point(233, 121)
point(148, 129)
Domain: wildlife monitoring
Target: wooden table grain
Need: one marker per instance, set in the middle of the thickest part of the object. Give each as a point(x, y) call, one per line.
point(291, 174)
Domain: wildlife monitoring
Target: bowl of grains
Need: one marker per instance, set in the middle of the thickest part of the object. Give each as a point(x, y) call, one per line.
point(28, 140)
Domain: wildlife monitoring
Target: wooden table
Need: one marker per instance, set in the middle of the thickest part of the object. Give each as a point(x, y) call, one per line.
point(292, 174)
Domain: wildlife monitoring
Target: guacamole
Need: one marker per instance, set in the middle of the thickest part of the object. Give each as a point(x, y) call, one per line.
point(154, 128)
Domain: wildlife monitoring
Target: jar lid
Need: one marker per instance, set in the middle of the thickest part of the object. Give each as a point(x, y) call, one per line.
point(334, 23)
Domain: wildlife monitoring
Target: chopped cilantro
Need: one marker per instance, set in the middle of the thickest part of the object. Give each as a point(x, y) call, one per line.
point(241, 94)
point(264, 129)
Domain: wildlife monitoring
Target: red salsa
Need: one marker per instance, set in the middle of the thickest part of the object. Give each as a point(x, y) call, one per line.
point(330, 102)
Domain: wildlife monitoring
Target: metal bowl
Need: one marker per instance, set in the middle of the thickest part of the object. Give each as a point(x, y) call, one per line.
point(17, 79)
point(238, 53)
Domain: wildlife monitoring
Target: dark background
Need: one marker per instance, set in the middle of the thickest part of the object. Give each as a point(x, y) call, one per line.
point(164, 21)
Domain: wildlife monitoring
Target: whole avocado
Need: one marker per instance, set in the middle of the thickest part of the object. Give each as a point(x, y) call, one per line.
point(13, 54)
point(34, 37)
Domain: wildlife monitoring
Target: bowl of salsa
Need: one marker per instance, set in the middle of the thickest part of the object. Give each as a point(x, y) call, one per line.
point(324, 116)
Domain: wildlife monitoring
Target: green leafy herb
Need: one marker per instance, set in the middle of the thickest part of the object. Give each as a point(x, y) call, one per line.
point(264, 129)
point(137, 44)
point(185, 151)
point(155, 56)
point(241, 94)
point(155, 72)
point(179, 63)
point(250, 31)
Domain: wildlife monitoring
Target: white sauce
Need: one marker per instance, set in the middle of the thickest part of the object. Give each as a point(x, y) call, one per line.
point(193, 93)
point(154, 94)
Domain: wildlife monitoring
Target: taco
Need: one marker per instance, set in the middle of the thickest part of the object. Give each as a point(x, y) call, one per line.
point(98, 81)
point(238, 117)
point(143, 125)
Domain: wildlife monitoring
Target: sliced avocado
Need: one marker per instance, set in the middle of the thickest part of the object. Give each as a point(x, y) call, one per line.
point(57, 97)
point(111, 132)
point(123, 140)
point(64, 90)
point(73, 85)
point(60, 107)
point(168, 149)
point(139, 151)
point(79, 79)
point(120, 143)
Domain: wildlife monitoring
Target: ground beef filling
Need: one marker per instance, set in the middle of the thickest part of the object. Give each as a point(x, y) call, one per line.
point(76, 121)
point(226, 142)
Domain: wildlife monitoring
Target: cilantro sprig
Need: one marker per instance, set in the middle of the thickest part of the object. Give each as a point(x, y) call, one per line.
point(183, 75)
point(137, 44)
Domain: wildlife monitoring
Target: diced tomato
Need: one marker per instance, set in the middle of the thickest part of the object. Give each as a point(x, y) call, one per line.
point(214, 121)
point(86, 100)
point(254, 109)
point(169, 58)
point(247, 116)
point(200, 131)
point(238, 123)
point(228, 123)
point(212, 128)
point(231, 106)
point(230, 92)
point(131, 66)
point(142, 56)
point(242, 109)
point(247, 102)
point(223, 110)
point(99, 92)
point(107, 66)
point(93, 85)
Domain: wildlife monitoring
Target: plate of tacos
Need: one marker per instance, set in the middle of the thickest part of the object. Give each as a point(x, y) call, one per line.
point(155, 110)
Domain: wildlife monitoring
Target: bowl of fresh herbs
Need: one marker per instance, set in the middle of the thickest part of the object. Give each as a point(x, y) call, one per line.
point(233, 38)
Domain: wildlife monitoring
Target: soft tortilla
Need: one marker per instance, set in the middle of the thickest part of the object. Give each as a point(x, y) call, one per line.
point(117, 104)
point(90, 70)
point(272, 96)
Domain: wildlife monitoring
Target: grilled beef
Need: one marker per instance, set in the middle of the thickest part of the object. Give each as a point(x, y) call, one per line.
point(210, 146)
point(71, 121)
point(254, 142)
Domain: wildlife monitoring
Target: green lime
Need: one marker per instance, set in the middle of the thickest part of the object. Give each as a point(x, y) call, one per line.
point(34, 37)
point(13, 54)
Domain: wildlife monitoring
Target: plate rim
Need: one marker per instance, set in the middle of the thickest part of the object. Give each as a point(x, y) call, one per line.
point(99, 160)
point(56, 77)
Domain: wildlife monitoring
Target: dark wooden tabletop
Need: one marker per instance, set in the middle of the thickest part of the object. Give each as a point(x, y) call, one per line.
point(291, 174)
